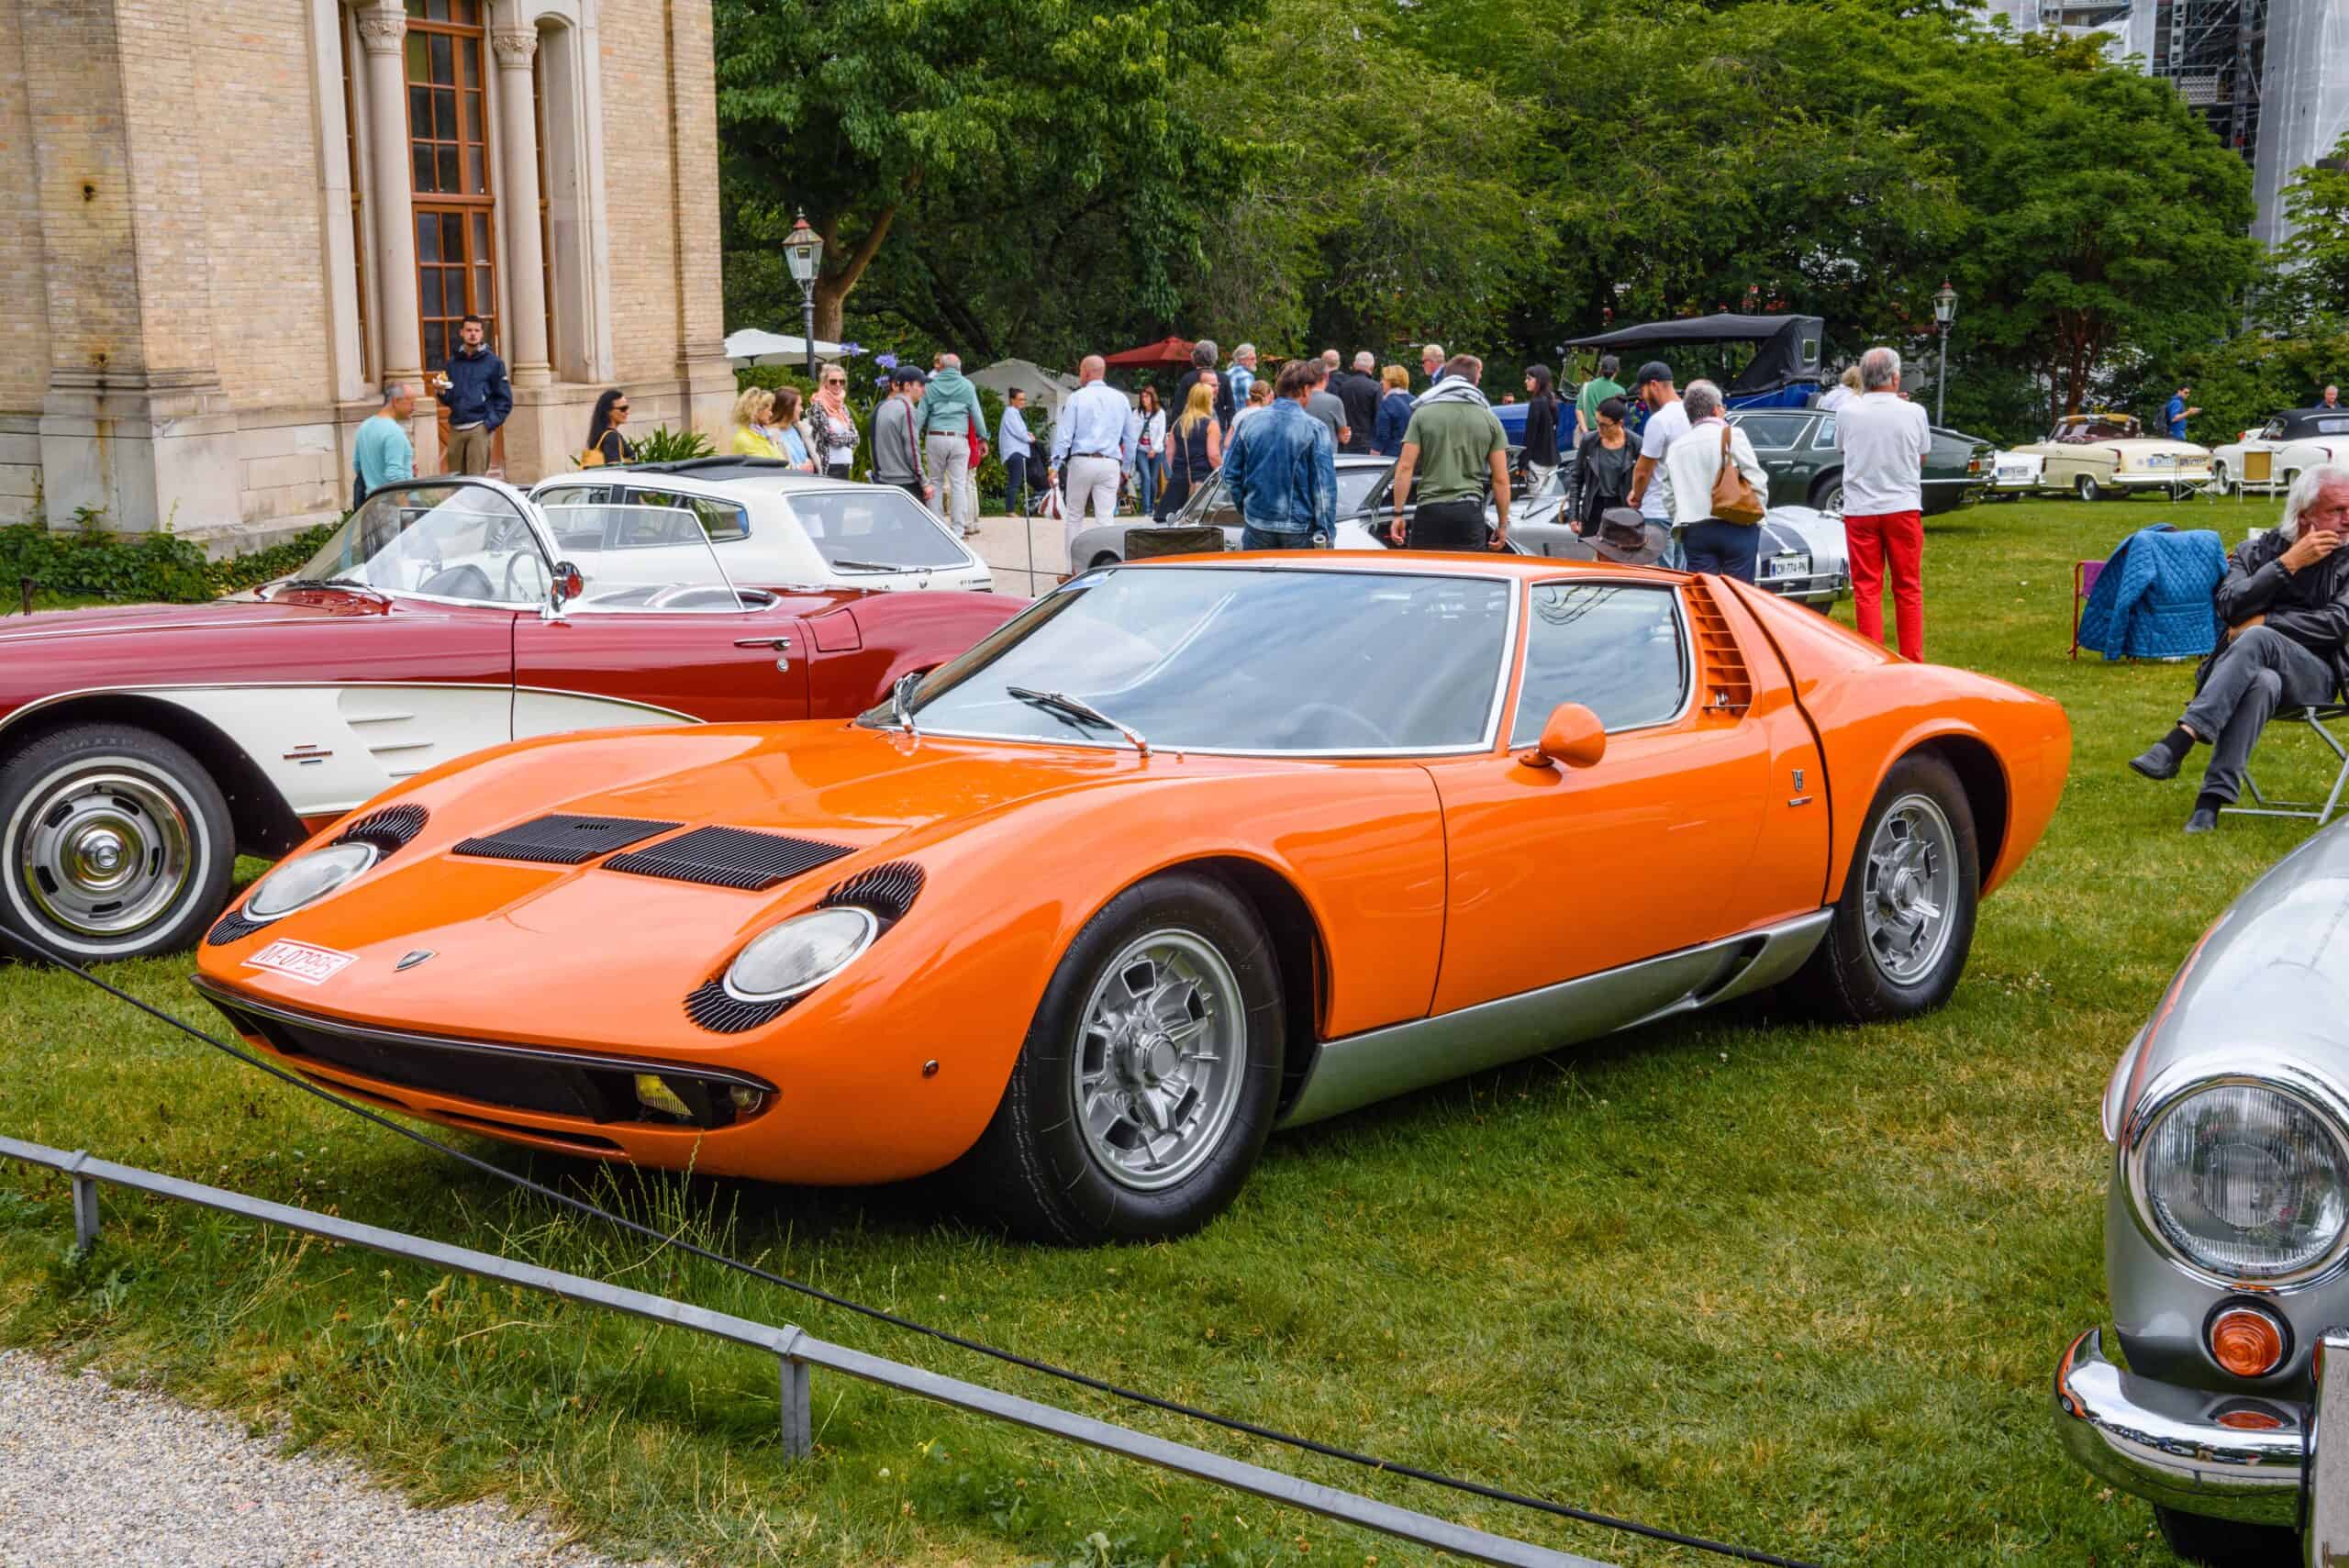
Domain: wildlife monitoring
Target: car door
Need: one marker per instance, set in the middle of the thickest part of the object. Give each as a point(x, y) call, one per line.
point(1706, 818)
point(657, 633)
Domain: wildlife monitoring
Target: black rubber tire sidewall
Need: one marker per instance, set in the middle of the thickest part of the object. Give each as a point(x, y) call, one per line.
point(213, 847)
point(1030, 1170)
point(1842, 977)
point(2086, 487)
point(2225, 1543)
point(1822, 486)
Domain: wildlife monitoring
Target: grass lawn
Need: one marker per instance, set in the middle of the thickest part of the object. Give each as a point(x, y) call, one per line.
point(1792, 1287)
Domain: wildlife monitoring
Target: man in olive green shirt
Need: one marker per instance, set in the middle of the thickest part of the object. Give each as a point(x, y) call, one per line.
point(1596, 391)
point(1453, 443)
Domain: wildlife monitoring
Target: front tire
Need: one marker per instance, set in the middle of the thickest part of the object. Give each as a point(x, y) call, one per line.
point(114, 844)
point(1900, 933)
point(2224, 1543)
point(1147, 1084)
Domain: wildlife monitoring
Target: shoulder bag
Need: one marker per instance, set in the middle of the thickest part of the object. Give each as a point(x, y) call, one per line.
point(1733, 498)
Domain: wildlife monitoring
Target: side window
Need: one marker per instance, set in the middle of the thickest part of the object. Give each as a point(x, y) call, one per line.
point(1769, 430)
point(1217, 507)
point(1616, 648)
point(720, 519)
point(1825, 440)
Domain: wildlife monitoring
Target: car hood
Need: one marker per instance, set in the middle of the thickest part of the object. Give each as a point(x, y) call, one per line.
point(2269, 980)
point(125, 620)
point(581, 933)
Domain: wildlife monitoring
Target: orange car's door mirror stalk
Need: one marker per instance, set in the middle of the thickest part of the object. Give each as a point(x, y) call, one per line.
point(1572, 735)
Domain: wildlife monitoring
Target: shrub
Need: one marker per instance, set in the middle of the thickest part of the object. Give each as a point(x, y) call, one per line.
point(89, 561)
point(662, 444)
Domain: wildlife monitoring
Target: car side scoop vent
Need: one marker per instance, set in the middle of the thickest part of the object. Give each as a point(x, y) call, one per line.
point(887, 890)
point(388, 830)
point(1724, 684)
point(561, 838)
point(728, 857)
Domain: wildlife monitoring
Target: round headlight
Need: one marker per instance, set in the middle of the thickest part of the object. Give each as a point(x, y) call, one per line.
point(307, 880)
point(800, 954)
point(2246, 1182)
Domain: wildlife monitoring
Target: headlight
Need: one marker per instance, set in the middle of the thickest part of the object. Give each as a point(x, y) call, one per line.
point(2245, 1181)
point(800, 954)
point(308, 879)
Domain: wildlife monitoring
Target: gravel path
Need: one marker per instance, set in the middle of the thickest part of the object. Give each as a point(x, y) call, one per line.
point(94, 1474)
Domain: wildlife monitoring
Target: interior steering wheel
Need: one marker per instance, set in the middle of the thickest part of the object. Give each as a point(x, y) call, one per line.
point(1304, 713)
point(514, 592)
point(462, 582)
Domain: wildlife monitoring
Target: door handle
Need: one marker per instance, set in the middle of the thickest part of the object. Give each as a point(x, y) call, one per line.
point(782, 646)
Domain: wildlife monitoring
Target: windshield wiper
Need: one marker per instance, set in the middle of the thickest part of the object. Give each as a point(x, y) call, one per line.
point(852, 564)
point(899, 708)
point(1077, 707)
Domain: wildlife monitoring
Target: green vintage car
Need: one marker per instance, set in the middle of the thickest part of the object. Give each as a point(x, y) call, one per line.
point(1797, 448)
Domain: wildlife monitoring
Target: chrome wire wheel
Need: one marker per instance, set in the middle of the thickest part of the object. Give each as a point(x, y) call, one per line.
point(1161, 1051)
point(103, 848)
point(1910, 898)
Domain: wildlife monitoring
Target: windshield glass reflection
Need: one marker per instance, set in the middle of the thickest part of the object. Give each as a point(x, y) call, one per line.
point(446, 541)
point(1237, 660)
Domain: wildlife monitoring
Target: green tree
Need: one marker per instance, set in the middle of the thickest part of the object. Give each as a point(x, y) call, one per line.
point(2312, 265)
point(859, 110)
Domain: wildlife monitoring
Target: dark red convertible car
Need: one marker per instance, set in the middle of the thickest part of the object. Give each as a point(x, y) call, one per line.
point(141, 749)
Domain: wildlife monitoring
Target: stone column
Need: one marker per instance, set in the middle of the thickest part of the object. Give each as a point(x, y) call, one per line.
point(382, 31)
point(517, 170)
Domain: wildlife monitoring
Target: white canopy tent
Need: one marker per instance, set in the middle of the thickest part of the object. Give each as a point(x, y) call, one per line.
point(1044, 387)
point(751, 347)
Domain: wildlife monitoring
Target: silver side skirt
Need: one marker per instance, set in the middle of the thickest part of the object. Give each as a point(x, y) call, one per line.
point(1363, 1068)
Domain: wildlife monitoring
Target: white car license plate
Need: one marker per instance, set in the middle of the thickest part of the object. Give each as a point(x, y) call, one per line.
point(1788, 566)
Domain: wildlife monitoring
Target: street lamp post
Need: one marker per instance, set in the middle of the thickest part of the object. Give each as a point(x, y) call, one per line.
point(805, 250)
point(1945, 312)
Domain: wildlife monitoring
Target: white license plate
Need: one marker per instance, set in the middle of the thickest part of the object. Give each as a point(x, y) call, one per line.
point(1788, 566)
point(300, 961)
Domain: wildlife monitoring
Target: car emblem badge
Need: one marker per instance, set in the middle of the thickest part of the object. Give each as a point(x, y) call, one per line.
point(410, 959)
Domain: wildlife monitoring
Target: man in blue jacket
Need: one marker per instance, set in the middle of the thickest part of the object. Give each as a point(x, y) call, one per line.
point(1281, 468)
point(474, 391)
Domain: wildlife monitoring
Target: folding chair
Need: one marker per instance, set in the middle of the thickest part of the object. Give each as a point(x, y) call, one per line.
point(2316, 718)
point(2084, 576)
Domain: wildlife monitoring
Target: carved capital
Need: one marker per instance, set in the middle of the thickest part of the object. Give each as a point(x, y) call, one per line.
point(514, 46)
point(381, 26)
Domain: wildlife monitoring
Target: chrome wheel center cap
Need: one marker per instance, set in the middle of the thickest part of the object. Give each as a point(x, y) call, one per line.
point(98, 854)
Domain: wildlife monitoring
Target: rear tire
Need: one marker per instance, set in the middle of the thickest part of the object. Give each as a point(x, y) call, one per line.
point(1827, 493)
point(114, 844)
point(1901, 929)
point(2086, 487)
point(2224, 1543)
point(1146, 1087)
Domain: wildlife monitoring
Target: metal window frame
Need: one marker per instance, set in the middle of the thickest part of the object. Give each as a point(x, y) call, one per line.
point(798, 1352)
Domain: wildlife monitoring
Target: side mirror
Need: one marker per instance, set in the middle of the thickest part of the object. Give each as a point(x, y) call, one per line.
point(1572, 736)
point(568, 582)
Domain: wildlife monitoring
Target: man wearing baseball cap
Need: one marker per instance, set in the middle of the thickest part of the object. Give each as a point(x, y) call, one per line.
point(1651, 488)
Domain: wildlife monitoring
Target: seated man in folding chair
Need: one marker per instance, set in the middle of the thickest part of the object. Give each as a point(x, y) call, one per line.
point(2285, 604)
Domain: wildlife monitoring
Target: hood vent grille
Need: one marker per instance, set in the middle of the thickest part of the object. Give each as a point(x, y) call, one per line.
point(561, 839)
point(728, 857)
point(887, 890)
point(233, 927)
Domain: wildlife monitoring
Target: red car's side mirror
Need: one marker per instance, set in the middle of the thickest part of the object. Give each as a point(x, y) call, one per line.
point(1572, 735)
point(569, 583)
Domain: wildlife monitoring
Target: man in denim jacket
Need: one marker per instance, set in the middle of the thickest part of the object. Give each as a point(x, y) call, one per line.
point(1282, 469)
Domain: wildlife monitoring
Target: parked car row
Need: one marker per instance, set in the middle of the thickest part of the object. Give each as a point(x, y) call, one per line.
point(2092, 456)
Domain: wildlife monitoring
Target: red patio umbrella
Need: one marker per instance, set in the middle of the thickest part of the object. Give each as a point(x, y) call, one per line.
point(1165, 351)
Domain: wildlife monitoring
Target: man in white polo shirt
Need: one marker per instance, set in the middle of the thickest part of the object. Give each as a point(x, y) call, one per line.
point(1665, 423)
point(1883, 438)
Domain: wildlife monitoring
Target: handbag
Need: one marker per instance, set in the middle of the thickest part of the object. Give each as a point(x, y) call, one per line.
point(1733, 497)
point(591, 458)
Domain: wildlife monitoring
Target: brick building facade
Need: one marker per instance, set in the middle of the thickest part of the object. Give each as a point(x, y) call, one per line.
point(228, 224)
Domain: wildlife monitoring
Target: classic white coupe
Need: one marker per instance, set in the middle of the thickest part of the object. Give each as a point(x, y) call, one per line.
point(2269, 458)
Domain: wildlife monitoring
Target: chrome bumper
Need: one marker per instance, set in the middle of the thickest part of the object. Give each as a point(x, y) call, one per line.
point(2226, 1456)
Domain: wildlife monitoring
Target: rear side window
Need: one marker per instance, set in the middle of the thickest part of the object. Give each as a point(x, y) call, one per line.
point(879, 530)
point(1773, 429)
point(1615, 648)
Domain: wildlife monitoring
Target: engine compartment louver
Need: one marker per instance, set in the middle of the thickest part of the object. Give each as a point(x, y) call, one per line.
point(562, 839)
point(390, 829)
point(728, 857)
point(888, 891)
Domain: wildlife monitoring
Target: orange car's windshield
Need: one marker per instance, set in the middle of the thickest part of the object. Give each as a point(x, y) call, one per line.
point(1273, 660)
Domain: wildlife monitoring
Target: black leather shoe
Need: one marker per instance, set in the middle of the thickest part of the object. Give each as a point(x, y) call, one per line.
point(2156, 761)
point(2204, 820)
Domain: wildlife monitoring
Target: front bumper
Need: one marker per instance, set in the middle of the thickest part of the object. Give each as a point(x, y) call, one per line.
point(2227, 1456)
point(1812, 588)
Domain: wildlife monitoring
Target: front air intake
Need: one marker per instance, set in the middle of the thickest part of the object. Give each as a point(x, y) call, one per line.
point(561, 839)
point(728, 857)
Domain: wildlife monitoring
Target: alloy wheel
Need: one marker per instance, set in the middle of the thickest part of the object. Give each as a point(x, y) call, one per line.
point(1909, 897)
point(1162, 1054)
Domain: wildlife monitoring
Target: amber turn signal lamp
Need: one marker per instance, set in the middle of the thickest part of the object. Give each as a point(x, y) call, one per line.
point(2247, 1341)
point(2251, 1421)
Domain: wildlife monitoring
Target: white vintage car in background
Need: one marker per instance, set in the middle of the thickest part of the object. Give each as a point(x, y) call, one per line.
point(2014, 474)
point(2095, 455)
point(768, 523)
point(2269, 458)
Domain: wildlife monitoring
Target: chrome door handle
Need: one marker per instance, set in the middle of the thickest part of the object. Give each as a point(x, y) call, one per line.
point(782, 646)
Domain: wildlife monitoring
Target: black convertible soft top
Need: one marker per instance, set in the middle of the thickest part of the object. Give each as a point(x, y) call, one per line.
point(1787, 348)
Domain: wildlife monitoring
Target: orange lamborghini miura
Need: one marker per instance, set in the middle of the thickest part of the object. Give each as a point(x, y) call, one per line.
point(1189, 851)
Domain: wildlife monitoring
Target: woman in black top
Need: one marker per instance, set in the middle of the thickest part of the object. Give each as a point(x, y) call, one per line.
point(604, 430)
point(1194, 449)
point(1603, 467)
point(1541, 428)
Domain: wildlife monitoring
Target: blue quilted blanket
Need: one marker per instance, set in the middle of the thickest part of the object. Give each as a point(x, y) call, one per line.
point(2153, 598)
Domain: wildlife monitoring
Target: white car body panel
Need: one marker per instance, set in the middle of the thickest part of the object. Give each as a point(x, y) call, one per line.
point(538, 711)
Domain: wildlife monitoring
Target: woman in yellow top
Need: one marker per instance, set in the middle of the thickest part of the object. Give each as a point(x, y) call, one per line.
point(751, 438)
